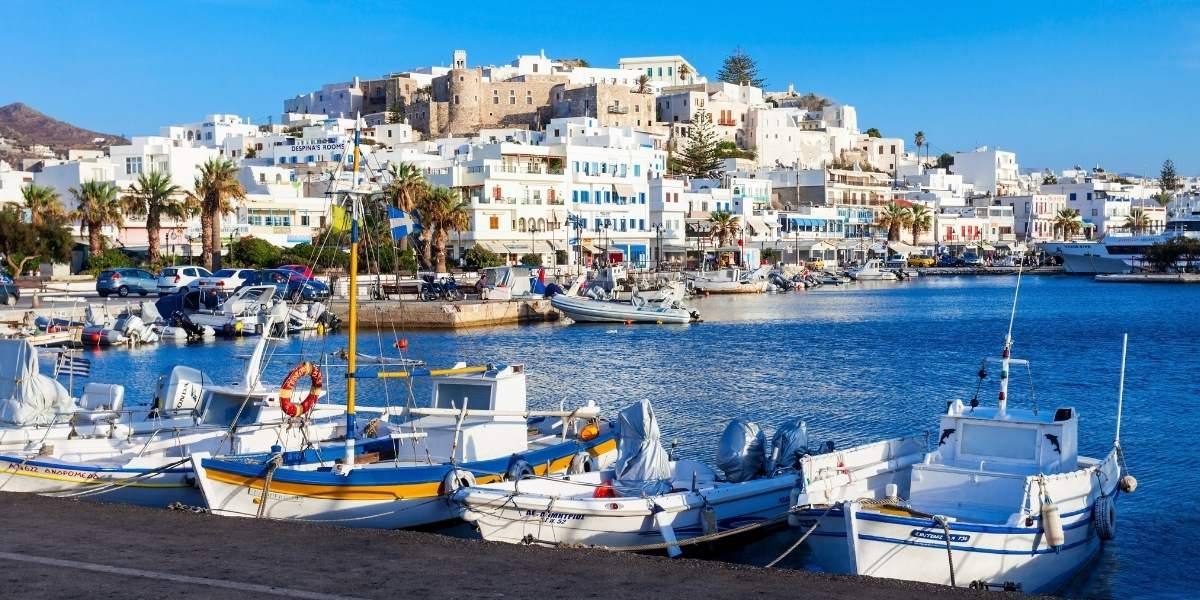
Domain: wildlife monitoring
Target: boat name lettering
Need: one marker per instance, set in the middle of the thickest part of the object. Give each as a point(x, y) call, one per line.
point(553, 517)
point(54, 471)
point(939, 536)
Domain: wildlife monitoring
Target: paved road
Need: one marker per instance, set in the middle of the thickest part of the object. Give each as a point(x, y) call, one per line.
point(54, 548)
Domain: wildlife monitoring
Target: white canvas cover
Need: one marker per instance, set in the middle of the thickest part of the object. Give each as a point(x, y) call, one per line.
point(642, 463)
point(26, 396)
point(741, 453)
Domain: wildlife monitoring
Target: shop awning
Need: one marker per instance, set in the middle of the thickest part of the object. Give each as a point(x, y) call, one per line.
point(901, 248)
point(624, 190)
point(590, 249)
point(853, 244)
point(757, 224)
point(490, 246)
point(809, 245)
point(674, 249)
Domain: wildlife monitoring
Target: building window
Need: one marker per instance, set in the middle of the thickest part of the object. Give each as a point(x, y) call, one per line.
point(304, 220)
point(133, 165)
point(456, 98)
point(493, 223)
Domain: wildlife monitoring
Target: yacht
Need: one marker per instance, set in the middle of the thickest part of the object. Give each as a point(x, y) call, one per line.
point(1119, 252)
point(872, 270)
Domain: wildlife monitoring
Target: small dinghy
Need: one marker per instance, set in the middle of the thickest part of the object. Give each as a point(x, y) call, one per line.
point(647, 501)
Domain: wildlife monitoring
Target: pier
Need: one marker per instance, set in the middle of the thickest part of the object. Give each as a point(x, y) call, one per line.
point(51, 547)
point(415, 314)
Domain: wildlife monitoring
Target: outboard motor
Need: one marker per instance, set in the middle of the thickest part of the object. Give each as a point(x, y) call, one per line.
point(741, 454)
point(789, 445)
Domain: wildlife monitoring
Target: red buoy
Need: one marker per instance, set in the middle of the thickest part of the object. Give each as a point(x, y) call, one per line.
point(402, 344)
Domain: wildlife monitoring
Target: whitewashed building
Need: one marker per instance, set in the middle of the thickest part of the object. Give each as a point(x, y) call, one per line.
point(1034, 215)
point(664, 70)
point(990, 170)
point(343, 99)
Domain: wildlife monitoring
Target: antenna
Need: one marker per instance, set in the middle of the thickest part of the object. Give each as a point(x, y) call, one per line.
point(1121, 389)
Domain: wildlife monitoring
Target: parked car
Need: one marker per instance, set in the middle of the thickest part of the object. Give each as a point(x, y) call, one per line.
point(290, 285)
point(949, 261)
point(971, 259)
point(225, 279)
point(304, 270)
point(123, 282)
point(173, 279)
point(919, 261)
point(895, 262)
point(9, 293)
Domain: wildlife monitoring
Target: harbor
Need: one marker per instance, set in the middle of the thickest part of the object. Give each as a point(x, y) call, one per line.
point(856, 362)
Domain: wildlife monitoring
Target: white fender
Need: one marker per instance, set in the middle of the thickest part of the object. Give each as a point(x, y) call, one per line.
point(455, 480)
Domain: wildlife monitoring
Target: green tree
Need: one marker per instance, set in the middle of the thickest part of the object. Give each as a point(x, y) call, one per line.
point(1068, 221)
point(921, 220)
point(446, 214)
point(22, 243)
point(813, 102)
point(1137, 221)
point(740, 69)
point(396, 111)
point(98, 205)
point(255, 252)
point(895, 219)
point(153, 196)
point(251, 152)
point(216, 188)
point(873, 132)
point(723, 227)
point(405, 188)
point(478, 257)
point(43, 203)
point(1050, 179)
point(945, 161)
point(919, 140)
point(643, 84)
point(699, 158)
point(531, 260)
point(684, 71)
point(1168, 180)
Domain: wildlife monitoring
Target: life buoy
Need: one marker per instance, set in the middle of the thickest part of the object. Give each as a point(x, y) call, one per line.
point(1104, 516)
point(581, 463)
point(289, 383)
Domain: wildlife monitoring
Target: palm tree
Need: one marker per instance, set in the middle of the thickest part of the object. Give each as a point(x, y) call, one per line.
point(684, 71)
point(405, 189)
point(43, 203)
point(643, 84)
point(1137, 221)
point(99, 205)
point(895, 218)
point(425, 212)
point(217, 186)
point(919, 140)
point(921, 220)
point(1068, 221)
point(154, 196)
point(445, 213)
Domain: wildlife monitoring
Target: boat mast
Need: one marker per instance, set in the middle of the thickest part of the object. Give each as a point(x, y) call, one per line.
point(352, 359)
point(1006, 357)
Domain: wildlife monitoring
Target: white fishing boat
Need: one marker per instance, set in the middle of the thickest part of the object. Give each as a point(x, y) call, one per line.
point(648, 501)
point(98, 448)
point(730, 280)
point(669, 309)
point(1003, 501)
point(477, 427)
point(872, 270)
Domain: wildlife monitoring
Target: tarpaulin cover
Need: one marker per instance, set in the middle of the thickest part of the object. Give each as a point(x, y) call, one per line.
point(26, 396)
point(642, 462)
point(742, 452)
point(789, 444)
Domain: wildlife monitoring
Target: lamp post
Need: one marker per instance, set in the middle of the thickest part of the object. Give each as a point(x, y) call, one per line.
point(658, 253)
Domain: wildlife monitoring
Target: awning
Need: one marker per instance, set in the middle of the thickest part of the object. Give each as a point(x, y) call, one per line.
point(757, 224)
point(853, 244)
point(556, 245)
point(495, 247)
point(590, 249)
point(624, 190)
point(810, 245)
point(673, 249)
point(901, 248)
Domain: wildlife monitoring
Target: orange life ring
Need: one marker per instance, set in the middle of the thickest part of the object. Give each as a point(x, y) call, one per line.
point(289, 383)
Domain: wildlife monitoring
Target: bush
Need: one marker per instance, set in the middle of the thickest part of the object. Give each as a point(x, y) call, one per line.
point(109, 259)
point(478, 257)
point(531, 260)
point(255, 252)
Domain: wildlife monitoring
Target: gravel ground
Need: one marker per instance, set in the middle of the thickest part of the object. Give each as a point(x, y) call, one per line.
point(352, 562)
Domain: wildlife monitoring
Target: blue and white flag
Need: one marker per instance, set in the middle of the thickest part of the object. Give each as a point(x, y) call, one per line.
point(402, 223)
point(72, 365)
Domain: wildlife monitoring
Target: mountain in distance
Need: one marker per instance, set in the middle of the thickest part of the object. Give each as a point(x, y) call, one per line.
point(22, 125)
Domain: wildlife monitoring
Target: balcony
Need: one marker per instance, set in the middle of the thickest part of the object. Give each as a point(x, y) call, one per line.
point(727, 122)
point(618, 110)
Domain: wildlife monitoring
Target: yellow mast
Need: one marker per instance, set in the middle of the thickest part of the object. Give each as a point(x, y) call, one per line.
point(352, 360)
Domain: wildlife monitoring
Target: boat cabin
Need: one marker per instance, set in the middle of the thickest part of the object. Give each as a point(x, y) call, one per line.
point(984, 456)
point(500, 388)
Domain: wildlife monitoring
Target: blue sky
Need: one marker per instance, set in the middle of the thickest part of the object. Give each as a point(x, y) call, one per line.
point(1059, 82)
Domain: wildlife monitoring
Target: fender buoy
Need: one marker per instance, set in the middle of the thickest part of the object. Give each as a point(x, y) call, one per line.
point(589, 432)
point(1052, 526)
point(456, 479)
point(1104, 517)
point(289, 383)
point(581, 463)
point(518, 469)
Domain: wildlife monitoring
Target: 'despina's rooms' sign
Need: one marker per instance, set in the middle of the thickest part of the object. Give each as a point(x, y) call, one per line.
point(316, 147)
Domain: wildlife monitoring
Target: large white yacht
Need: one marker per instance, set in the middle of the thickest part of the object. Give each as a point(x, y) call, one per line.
point(1121, 253)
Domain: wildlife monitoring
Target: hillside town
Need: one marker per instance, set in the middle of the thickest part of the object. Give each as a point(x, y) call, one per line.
point(558, 162)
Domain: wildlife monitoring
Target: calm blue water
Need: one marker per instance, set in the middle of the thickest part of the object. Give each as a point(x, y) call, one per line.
point(859, 363)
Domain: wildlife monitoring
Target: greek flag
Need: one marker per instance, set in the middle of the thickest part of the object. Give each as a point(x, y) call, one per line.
point(72, 365)
point(402, 223)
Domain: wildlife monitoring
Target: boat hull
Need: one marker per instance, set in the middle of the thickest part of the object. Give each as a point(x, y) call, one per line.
point(620, 523)
point(142, 486)
point(384, 497)
point(585, 310)
point(729, 287)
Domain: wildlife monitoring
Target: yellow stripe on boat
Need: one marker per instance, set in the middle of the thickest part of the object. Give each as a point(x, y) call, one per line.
point(85, 481)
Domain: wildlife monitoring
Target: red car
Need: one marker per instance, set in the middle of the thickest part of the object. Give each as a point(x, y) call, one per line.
point(304, 270)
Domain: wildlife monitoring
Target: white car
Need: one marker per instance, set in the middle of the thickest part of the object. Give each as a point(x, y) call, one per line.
point(173, 279)
point(225, 280)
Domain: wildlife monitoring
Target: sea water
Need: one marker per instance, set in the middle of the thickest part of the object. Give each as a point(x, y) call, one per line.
point(859, 363)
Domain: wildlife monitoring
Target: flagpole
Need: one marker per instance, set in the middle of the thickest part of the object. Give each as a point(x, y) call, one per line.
point(352, 359)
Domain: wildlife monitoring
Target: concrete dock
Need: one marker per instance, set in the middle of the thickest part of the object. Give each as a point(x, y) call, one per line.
point(55, 548)
point(415, 314)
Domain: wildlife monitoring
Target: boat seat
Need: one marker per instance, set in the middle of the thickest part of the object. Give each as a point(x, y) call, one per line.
point(101, 402)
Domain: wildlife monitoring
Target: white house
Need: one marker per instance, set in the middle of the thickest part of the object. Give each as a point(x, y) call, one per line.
point(664, 70)
point(211, 132)
point(343, 99)
point(1034, 215)
point(990, 170)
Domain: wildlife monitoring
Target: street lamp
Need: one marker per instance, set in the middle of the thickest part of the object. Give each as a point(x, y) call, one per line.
point(658, 255)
